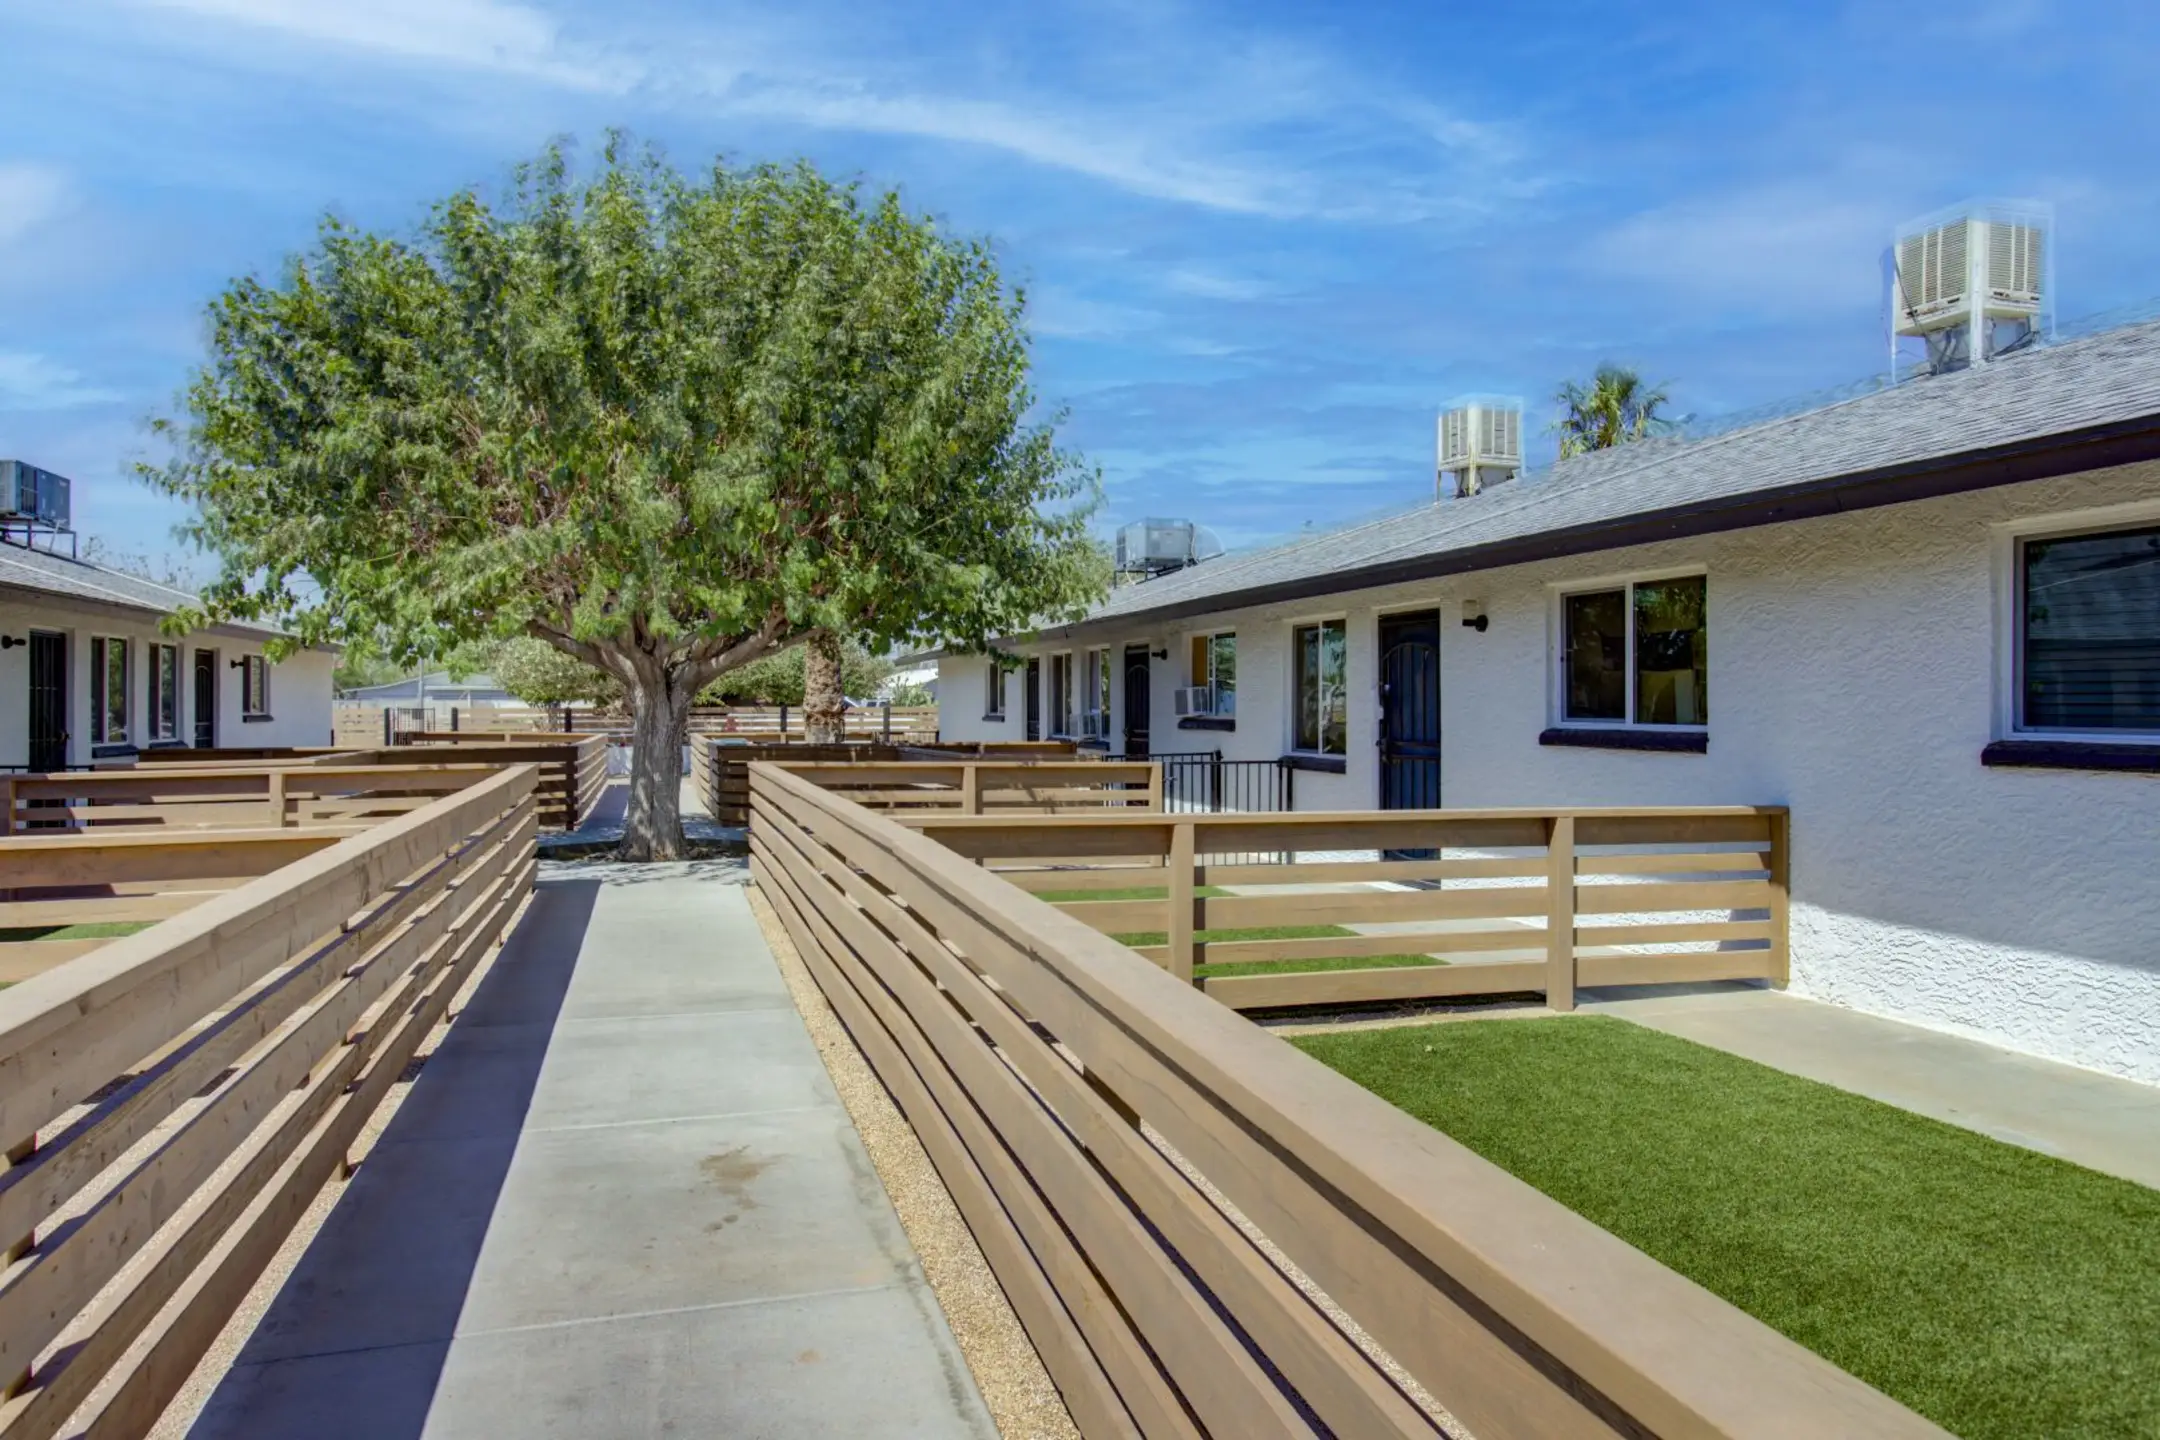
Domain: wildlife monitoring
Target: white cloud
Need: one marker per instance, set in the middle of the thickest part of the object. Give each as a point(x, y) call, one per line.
point(1076, 317)
point(1266, 129)
point(33, 382)
point(1772, 249)
point(30, 196)
point(471, 34)
point(1214, 285)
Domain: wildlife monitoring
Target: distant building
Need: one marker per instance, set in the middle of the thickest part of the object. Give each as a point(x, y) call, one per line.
point(441, 689)
point(87, 672)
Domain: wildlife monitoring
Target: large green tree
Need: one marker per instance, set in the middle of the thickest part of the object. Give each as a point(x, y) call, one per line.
point(1616, 407)
point(667, 423)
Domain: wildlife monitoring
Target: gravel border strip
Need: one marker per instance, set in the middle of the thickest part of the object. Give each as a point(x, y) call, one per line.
point(1017, 1390)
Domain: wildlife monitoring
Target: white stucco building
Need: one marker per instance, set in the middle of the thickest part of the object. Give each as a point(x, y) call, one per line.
point(1927, 620)
point(87, 674)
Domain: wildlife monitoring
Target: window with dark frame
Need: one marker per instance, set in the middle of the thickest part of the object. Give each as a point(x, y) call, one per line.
point(109, 689)
point(1214, 665)
point(1319, 668)
point(994, 692)
point(254, 686)
point(164, 692)
point(2088, 644)
point(1636, 654)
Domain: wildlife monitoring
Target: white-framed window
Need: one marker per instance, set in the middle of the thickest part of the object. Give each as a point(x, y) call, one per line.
point(108, 690)
point(1062, 719)
point(1214, 665)
point(254, 687)
point(164, 692)
point(2085, 631)
point(993, 690)
point(1095, 694)
point(1319, 692)
point(1635, 652)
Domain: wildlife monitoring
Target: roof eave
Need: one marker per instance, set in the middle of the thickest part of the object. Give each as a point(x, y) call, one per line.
point(2074, 452)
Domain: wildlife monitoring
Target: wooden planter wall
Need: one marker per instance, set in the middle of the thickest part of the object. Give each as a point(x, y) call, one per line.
point(230, 1056)
point(1071, 1093)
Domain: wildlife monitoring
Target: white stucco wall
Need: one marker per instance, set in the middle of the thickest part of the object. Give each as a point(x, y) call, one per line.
point(1854, 676)
point(300, 688)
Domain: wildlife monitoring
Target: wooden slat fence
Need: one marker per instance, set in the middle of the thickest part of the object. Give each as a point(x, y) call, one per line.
point(1071, 1093)
point(335, 789)
point(720, 768)
point(1500, 901)
point(172, 1103)
point(573, 768)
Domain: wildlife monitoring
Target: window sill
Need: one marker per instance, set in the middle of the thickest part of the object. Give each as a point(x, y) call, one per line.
point(1626, 737)
point(256, 719)
point(993, 719)
point(116, 750)
point(1207, 722)
point(1325, 764)
point(2137, 758)
point(167, 743)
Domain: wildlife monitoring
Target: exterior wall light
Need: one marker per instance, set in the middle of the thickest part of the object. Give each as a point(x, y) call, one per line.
point(1473, 615)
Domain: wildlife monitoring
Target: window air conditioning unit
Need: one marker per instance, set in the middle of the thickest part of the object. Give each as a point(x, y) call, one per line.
point(28, 494)
point(1193, 700)
point(1094, 725)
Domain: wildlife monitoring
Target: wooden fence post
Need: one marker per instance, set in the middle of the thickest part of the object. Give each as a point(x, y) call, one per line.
point(970, 790)
point(7, 806)
point(1780, 864)
point(386, 728)
point(1560, 914)
point(277, 800)
point(885, 724)
point(1155, 788)
point(1181, 900)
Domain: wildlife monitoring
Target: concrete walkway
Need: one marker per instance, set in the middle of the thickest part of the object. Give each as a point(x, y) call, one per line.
point(2098, 1121)
point(621, 1200)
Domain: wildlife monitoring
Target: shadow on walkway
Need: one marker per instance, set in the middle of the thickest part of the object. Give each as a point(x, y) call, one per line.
point(355, 1341)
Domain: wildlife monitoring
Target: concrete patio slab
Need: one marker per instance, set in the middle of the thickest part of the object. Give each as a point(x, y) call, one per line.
point(2099, 1121)
point(621, 1199)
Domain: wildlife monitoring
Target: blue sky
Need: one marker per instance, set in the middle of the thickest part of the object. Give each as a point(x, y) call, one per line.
point(1262, 242)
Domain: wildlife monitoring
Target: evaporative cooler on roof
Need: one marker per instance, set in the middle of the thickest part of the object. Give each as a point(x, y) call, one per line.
point(1480, 443)
point(1970, 284)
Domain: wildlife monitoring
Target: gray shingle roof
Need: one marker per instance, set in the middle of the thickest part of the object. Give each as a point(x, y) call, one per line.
point(48, 574)
point(2100, 380)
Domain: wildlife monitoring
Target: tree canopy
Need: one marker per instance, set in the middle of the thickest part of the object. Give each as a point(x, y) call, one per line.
point(667, 424)
point(1617, 406)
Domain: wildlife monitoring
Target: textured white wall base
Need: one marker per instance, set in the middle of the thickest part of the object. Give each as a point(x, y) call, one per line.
point(2057, 1007)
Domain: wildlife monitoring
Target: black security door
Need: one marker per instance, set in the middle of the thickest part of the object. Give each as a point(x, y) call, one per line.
point(1136, 702)
point(206, 699)
point(48, 701)
point(1410, 711)
point(1034, 700)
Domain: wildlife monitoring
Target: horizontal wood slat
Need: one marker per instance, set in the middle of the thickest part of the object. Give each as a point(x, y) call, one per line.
point(254, 1033)
point(1024, 1047)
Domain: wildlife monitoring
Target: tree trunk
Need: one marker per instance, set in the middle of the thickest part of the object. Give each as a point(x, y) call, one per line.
point(659, 724)
point(824, 707)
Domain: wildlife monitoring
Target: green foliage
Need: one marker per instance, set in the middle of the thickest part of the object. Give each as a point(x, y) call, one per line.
point(1998, 1291)
point(911, 693)
point(778, 679)
point(640, 414)
point(667, 423)
point(539, 674)
point(1613, 409)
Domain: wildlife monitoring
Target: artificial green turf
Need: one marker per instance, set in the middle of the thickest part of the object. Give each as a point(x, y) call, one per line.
point(1997, 1291)
point(89, 930)
point(1226, 968)
point(1137, 892)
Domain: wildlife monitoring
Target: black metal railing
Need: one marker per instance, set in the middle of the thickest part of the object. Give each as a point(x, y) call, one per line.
point(1201, 781)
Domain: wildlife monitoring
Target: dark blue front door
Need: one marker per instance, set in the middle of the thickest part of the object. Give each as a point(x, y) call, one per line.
point(1410, 711)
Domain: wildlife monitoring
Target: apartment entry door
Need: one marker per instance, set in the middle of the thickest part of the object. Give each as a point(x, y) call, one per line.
point(48, 701)
point(1034, 700)
point(206, 699)
point(1136, 702)
point(1410, 711)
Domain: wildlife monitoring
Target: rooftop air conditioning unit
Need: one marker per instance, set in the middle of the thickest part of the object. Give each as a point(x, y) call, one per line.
point(33, 496)
point(1157, 547)
point(1977, 271)
point(1193, 700)
point(1480, 443)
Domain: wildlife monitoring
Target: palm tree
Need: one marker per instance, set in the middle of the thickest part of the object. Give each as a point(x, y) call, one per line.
point(1614, 408)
